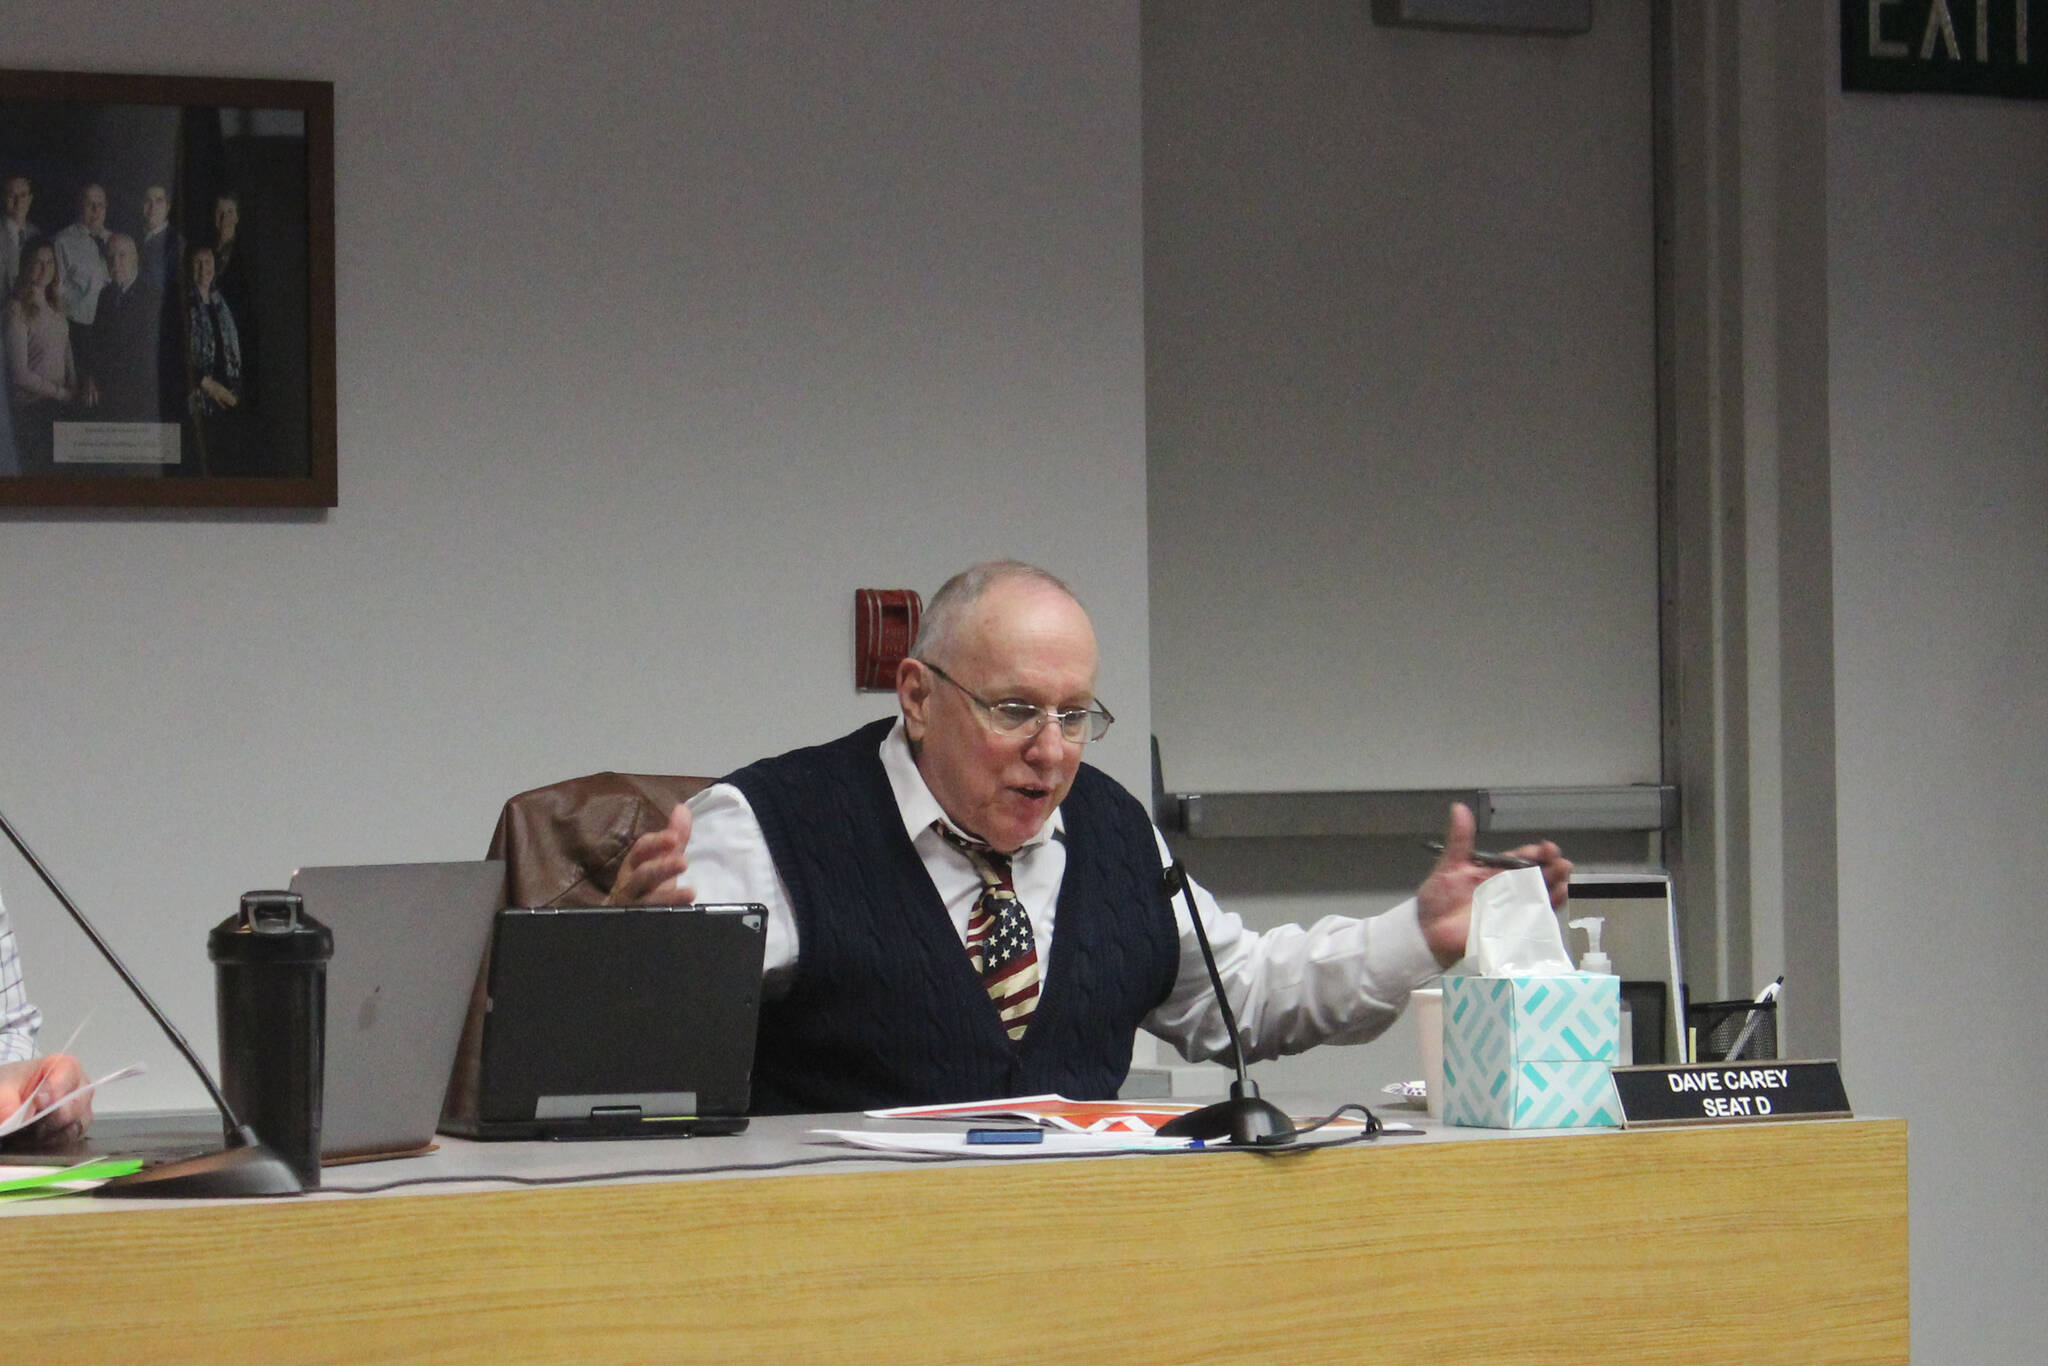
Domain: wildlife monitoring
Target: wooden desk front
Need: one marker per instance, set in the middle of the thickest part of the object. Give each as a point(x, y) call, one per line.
point(1782, 1242)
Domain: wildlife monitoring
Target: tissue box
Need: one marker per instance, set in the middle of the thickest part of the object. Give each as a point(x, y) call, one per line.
point(1531, 1052)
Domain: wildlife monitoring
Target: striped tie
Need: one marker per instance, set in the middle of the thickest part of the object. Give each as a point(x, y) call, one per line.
point(999, 940)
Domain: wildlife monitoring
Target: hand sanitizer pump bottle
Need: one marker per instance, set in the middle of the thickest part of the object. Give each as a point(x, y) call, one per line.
point(1593, 960)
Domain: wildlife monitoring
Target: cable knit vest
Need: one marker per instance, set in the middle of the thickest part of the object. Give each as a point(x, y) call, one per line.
point(885, 1008)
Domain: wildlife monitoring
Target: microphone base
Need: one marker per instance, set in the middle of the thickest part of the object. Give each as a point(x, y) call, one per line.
point(1244, 1119)
point(248, 1167)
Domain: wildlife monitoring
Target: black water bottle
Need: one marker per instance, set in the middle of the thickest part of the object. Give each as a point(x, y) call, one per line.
point(270, 977)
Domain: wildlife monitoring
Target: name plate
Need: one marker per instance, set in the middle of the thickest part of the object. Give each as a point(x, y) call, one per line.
point(1730, 1092)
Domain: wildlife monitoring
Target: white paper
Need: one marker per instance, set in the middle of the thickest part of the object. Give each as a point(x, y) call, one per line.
point(23, 1116)
point(1055, 1142)
point(1514, 930)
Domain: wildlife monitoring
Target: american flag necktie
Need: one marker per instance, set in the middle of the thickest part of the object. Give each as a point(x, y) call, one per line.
point(999, 940)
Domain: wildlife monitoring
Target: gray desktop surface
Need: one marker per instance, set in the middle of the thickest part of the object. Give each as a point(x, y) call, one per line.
point(152, 1135)
point(771, 1144)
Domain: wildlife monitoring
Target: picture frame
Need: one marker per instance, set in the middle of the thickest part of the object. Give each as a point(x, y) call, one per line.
point(166, 291)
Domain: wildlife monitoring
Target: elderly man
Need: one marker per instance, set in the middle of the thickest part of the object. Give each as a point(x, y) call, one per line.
point(118, 353)
point(82, 256)
point(959, 909)
point(24, 1077)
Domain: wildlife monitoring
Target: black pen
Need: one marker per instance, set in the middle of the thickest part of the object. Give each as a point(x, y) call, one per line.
point(1482, 858)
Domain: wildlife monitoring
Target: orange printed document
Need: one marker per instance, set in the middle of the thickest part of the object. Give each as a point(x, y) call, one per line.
point(1078, 1116)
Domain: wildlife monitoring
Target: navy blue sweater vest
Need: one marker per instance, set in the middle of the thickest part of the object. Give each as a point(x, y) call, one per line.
point(885, 1008)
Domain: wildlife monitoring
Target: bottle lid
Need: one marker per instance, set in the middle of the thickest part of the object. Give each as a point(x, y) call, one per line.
point(270, 927)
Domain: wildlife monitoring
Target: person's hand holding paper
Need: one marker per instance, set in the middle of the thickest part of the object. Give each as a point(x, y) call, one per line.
point(1446, 895)
point(26, 1087)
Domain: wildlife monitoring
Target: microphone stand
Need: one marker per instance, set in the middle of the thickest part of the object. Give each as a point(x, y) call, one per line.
point(244, 1166)
point(1244, 1118)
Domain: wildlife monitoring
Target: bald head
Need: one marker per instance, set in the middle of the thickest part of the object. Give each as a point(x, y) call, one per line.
point(939, 629)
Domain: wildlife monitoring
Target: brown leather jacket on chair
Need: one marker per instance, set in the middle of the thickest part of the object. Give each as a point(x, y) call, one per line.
point(562, 845)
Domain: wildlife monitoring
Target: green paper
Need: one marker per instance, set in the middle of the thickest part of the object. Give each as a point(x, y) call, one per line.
point(55, 1179)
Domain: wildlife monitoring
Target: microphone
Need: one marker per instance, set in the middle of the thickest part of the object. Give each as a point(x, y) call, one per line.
point(244, 1166)
point(1244, 1119)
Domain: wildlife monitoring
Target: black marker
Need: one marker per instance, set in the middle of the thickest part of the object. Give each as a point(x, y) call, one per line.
point(1006, 1135)
point(1482, 858)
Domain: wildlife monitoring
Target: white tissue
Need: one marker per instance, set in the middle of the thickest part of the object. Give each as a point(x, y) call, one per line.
point(1514, 932)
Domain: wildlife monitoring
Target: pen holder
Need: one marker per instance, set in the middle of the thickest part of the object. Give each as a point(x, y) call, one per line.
point(1717, 1024)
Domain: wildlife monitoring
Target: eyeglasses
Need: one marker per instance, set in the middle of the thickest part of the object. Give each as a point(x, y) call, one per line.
point(1024, 720)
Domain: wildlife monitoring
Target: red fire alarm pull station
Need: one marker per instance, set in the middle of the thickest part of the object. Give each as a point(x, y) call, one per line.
point(884, 624)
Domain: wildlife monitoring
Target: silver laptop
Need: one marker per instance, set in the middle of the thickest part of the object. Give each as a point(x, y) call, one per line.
point(407, 941)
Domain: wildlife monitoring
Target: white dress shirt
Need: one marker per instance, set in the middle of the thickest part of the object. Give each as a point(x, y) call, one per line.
point(1339, 980)
point(18, 1019)
point(82, 266)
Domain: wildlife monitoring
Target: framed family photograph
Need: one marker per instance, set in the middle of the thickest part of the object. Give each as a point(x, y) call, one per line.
point(167, 284)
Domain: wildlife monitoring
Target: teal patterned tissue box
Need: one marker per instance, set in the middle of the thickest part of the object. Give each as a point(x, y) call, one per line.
point(1531, 1052)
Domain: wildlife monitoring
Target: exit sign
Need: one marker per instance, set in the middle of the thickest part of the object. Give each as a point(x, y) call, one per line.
point(1948, 47)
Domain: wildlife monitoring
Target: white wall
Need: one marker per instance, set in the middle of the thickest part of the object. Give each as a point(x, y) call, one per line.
point(1401, 403)
point(1401, 431)
point(1938, 313)
point(661, 328)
